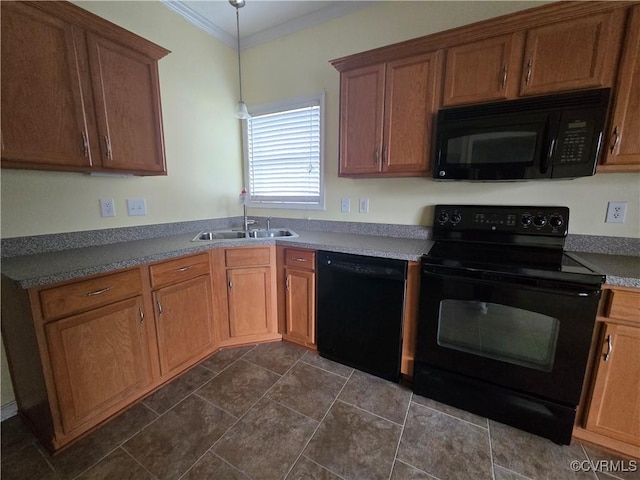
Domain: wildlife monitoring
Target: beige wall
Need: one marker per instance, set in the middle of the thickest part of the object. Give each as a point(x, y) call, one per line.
point(198, 82)
point(299, 65)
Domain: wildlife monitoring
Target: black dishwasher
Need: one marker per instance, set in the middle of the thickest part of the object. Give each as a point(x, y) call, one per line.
point(360, 310)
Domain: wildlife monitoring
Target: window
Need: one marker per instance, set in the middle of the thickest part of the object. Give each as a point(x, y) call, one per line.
point(283, 154)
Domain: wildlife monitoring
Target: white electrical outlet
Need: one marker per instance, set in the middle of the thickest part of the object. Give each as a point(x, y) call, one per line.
point(616, 211)
point(364, 205)
point(107, 207)
point(345, 205)
point(136, 206)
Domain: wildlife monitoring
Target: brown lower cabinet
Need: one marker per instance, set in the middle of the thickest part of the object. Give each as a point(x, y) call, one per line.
point(610, 415)
point(81, 351)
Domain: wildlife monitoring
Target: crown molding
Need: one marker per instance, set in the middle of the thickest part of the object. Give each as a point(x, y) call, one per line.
point(309, 20)
point(201, 22)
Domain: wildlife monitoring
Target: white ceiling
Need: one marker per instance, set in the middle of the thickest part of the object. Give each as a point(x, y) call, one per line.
point(260, 20)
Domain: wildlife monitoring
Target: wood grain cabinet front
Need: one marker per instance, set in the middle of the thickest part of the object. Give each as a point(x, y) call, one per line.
point(100, 361)
point(611, 415)
point(183, 304)
point(386, 115)
point(78, 93)
point(299, 296)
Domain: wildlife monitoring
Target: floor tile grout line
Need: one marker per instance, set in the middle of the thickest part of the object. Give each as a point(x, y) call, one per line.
point(42, 454)
point(493, 465)
point(588, 457)
point(369, 412)
point(293, 410)
point(418, 469)
point(453, 416)
point(404, 423)
point(139, 463)
point(319, 464)
point(293, 464)
point(214, 404)
point(324, 369)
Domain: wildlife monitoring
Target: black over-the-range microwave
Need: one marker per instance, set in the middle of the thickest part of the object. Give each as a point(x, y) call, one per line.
point(551, 136)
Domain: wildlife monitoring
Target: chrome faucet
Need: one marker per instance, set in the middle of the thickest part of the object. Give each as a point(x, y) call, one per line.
point(268, 223)
point(247, 222)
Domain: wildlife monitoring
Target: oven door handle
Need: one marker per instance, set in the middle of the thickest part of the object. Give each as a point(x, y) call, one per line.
point(490, 278)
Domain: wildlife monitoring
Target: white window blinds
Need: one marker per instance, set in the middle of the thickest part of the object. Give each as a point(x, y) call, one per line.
point(284, 155)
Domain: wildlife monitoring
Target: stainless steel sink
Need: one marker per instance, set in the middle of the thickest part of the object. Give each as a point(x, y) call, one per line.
point(233, 234)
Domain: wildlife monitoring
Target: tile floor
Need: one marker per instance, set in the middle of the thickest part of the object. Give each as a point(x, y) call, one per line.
point(277, 411)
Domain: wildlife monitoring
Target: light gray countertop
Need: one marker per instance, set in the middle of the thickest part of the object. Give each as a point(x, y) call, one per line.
point(620, 270)
point(52, 267)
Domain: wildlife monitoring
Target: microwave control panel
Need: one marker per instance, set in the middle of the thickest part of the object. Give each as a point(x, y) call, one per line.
point(575, 138)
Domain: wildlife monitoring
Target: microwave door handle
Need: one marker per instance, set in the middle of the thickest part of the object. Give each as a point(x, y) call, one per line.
point(544, 166)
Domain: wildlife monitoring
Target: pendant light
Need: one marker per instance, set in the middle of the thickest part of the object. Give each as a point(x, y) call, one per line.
point(241, 109)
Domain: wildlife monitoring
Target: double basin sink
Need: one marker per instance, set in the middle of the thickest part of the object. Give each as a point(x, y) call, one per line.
point(237, 234)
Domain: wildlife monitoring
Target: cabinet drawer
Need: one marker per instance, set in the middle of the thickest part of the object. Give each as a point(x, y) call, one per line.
point(61, 301)
point(624, 304)
point(245, 257)
point(179, 269)
point(300, 258)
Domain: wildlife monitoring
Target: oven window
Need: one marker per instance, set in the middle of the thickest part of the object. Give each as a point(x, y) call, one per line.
point(500, 332)
point(492, 147)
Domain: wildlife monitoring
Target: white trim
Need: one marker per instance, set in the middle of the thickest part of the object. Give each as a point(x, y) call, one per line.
point(201, 22)
point(340, 9)
point(8, 410)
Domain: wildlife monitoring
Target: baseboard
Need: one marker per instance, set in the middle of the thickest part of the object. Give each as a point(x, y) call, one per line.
point(8, 410)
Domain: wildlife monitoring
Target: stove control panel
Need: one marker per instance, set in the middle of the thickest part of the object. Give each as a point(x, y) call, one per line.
point(514, 220)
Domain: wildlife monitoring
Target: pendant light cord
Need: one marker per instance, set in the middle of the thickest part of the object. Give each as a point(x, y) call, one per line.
point(238, 36)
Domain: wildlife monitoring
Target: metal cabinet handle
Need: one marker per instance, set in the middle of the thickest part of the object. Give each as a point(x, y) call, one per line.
point(503, 82)
point(107, 144)
point(385, 155)
point(97, 292)
point(230, 283)
point(299, 259)
point(159, 307)
point(287, 283)
point(615, 140)
point(376, 156)
point(609, 348)
point(183, 269)
point(141, 316)
point(528, 77)
point(85, 144)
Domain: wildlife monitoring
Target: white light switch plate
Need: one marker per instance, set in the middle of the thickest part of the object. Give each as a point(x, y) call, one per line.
point(136, 206)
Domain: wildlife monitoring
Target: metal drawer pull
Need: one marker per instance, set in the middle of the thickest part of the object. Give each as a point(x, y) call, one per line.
point(183, 269)
point(616, 140)
point(107, 144)
point(503, 82)
point(97, 292)
point(385, 155)
point(85, 144)
point(299, 259)
point(141, 316)
point(230, 284)
point(528, 79)
point(376, 156)
point(159, 307)
point(286, 283)
point(609, 348)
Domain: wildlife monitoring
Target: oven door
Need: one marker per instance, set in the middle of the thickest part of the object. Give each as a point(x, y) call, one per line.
point(521, 333)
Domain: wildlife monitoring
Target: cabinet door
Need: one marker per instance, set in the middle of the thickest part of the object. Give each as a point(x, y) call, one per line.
point(615, 403)
point(483, 71)
point(127, 98)
point(410, 93)
point(249, 296)
point(300, 304)
point(99, 360)
point(43, 113)
point(624, 141)
point(361, 118)
point(184, 322)
point(580, 53)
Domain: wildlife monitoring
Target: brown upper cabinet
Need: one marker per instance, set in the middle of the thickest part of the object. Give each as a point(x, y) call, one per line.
point(78, 93)
point(386, 117)
point(483, 71)
point(623, 147)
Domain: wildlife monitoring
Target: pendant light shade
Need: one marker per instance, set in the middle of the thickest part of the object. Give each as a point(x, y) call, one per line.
point(241, 109)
